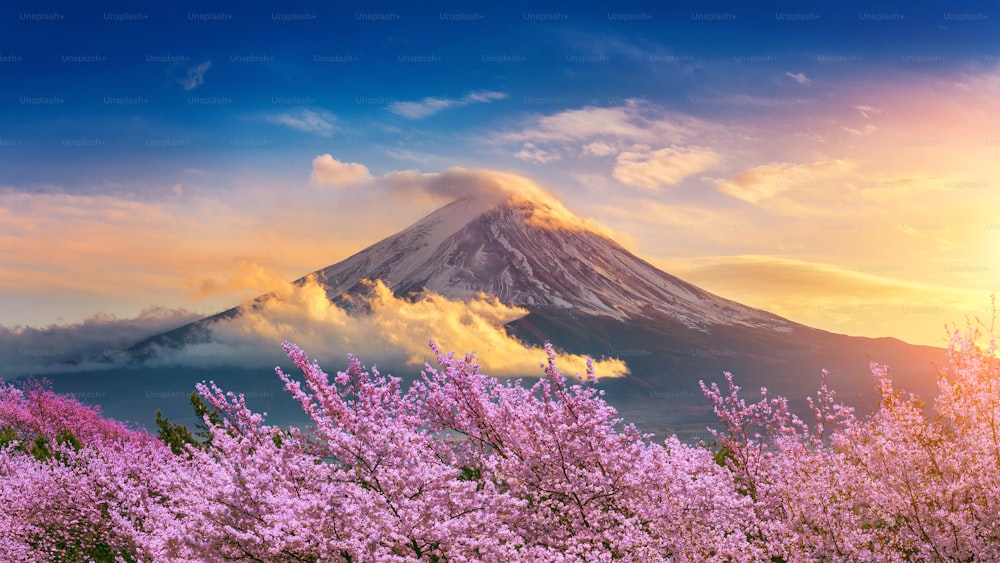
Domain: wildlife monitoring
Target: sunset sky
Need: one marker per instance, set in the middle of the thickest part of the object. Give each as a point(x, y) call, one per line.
point(834, 163)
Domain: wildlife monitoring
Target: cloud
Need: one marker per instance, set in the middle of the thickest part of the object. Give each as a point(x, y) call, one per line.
point(195, 76)
point(612, 45)
point(633, 122)
point(489, 187)
point(873, 297)
point(868, 129)
point(418, 157)
point(391, 331)
point(649, 169)
point(827, 187)
point(380, 329)
point(317, 122)
point(483, 97)
point(600, 148)
point(421, 109)
point(867, 111)
point(762, 183)
point(96, 342)
point(534, 154)
point(74, 254)
point(632, 127)
point(328, 171)
point(430, 106)
point(65, 239)
point(799, 77)
point(249, 274)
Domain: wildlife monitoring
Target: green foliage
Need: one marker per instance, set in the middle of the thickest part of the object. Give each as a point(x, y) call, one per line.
point(174, 434)
point(200, 411)
point(471, 474)
point(83, 549)
point(38, 447)
point(721, 455)
point(7, 436)
point(179, 436)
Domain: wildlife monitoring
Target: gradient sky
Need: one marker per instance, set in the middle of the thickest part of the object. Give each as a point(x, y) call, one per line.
point(832, 162)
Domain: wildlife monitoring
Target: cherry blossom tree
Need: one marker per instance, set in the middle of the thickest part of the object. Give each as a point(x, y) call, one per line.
point(462, 466)
point(900, 485)
point(72, 483)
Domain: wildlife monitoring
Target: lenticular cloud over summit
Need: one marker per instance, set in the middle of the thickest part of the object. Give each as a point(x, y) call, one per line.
point(487, 186)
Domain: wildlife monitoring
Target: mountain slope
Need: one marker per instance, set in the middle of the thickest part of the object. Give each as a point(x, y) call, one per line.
point(511, 251)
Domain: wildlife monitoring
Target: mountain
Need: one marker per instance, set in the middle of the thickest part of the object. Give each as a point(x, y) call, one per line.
point(589, 295)
point(520, 253)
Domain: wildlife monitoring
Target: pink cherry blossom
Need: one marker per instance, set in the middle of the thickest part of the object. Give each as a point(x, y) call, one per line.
point(462, 466)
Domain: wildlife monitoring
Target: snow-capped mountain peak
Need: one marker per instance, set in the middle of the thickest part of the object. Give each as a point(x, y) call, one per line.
point(536, 255)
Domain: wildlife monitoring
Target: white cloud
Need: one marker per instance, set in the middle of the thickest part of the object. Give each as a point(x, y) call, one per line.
point(649, 169)
point(421, 109)
point(828, 187)
point(426, 159)
point(534, 154)
point(600, 148)
point(799, 77)
point(634, 122)
point(430, 105)
point(868, 129)
point(604, 131)
point(317, 122)
point(195, 76)
point(483, 97)
point(867, 111)
point(328, 171)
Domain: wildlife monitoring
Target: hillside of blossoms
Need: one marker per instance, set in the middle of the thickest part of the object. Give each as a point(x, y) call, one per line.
point(462, 466)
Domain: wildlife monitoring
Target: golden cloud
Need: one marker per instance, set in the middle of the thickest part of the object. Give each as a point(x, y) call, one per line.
point(328, 171)
point(874, 298)
point(762, 183)
point(250, 274)
point(649, 169)
point(391, 329)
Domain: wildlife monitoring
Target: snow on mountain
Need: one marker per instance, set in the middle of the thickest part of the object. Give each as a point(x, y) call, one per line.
point(536, 255)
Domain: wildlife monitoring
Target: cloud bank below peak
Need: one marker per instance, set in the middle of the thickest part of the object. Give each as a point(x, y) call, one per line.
point(394, 331)
point(101, 341)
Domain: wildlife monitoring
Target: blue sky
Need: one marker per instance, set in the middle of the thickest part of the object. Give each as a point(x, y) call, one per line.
point(203, 80)
point(828, 161)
